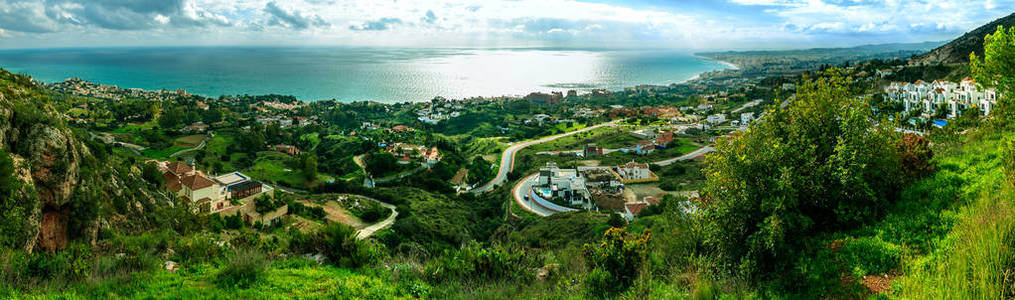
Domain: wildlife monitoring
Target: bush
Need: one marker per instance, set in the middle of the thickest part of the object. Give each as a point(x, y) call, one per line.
point(615, 262)
point(339, 243)
point(242, 269)
point(817, 165)
point(474, 262)
point(869, 255)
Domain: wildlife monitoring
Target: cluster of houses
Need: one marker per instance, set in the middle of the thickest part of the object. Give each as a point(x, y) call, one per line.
point(650, 141)
point(954, 97)
point(433, 113)
point(283, 121)
point(407, 153)
point(77, 86)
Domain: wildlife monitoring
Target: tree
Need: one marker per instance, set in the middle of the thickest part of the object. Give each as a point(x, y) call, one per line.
point(211, 116)
point(997, 68)
point(310, 167)
point(381, 163)
point(819, 164)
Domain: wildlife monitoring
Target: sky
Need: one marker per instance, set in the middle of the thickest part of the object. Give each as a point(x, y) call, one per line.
point(687, 24)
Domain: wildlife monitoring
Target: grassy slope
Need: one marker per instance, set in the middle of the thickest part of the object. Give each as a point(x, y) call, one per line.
point(279, 281)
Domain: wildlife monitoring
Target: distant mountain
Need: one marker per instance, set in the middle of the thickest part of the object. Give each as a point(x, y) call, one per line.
point(957, 51)
point(846, 51)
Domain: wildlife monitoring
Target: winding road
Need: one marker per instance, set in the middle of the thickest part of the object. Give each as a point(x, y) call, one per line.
point(370, 230)
point(507, 160)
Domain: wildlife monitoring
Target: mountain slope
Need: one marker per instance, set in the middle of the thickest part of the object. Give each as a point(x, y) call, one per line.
point(957, 51)
point(63, 186)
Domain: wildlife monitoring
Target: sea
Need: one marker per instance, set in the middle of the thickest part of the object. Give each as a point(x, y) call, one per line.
point(361, 74)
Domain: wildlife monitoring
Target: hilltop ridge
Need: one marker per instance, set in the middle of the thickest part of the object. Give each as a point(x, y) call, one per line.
point(957, 51)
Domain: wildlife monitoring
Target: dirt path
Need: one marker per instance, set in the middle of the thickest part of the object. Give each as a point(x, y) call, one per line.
point(336, 213)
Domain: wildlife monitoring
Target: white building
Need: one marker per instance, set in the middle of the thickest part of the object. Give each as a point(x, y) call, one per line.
point(955, 97)
point(716, 119)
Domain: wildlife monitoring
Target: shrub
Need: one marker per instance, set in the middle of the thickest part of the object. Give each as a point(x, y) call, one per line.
point(915, 155)
point(869, 255)
point(339, 243)
point(243, 268)
point(475, 262)
point(615, 262)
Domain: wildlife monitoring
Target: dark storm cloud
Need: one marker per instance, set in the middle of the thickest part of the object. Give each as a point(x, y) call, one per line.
point(294, 19)
point(377, 25)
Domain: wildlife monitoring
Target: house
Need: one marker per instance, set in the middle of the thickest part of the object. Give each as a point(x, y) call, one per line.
point(431, 157)
point(746, 118)
point(664, 138)
point(400, 128)
point(405, 160)
point(644, 147)
point(632, 209)
point(204, 192)
point(633, 172)
point(287, 149)
point(196, 127)
point(544, 98)
point(645, 134)
point(591, 150)
point(565, 184)
point(716, 118)
point(239, 185)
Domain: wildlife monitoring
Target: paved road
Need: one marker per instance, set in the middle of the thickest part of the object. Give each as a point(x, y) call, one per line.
point(370, 230)
point(519, 191)
point(205, 140)
point(507, 162)
point(694, 154)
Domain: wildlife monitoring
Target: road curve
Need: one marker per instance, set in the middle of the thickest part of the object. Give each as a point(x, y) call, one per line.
point(507, 162)
point(370, 230)
point(694, 154)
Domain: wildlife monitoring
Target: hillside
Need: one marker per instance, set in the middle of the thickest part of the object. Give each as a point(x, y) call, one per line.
point(957, 51)
point(61, 186)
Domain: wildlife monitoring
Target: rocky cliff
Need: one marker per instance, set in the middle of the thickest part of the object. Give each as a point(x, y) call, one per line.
point(60, 188)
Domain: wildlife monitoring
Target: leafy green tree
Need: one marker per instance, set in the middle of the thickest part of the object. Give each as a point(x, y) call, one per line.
point(997, 68)
point(381, 163)
point(310, 167)
point(819, 164)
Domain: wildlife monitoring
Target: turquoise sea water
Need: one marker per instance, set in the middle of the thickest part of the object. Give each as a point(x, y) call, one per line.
point(354, 74)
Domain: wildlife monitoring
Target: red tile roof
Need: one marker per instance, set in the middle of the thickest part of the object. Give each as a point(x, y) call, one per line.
point(635, 207)
point(651, 200)
point(196, 182)
point(179, 168)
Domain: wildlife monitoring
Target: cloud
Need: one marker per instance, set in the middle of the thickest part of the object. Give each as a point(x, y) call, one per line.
point(376, 25)
point(430, 17)
point(293, 19)
point(26, 16)
point(44, 16)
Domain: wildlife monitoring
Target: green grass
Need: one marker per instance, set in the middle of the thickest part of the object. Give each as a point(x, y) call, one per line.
point(304, 280)
point(974, 259)
point(162, 153)
point(190, 140)
point(132, 128)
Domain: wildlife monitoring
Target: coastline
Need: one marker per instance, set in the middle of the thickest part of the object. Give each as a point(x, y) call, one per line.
point(582, 84)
